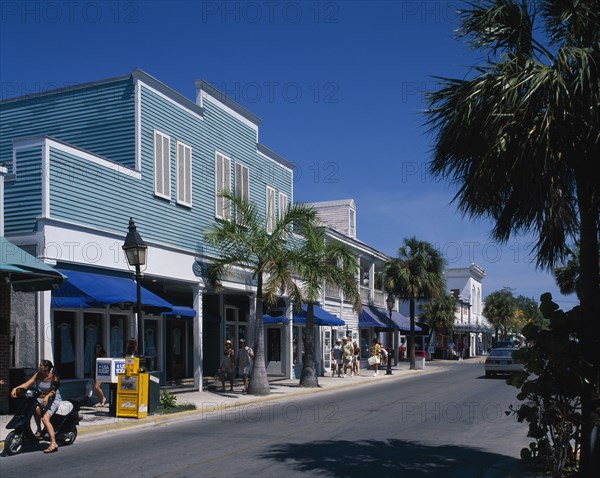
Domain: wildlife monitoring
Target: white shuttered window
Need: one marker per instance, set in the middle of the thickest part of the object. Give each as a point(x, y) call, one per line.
point(184, 174)
point(162, 165)
point(241, 185)
point(222, 184)
point(270, 210)
point(283, 204)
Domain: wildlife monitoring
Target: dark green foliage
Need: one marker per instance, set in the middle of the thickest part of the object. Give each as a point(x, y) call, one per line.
point(552, 388)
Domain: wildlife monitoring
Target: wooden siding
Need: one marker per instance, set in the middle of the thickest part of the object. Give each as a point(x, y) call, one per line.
point(23, 195)
point(335, 216)
point(92, 193)
point(98, 119)
point(88, 193)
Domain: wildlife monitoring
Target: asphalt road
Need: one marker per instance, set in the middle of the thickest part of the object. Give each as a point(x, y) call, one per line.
point(444, 424)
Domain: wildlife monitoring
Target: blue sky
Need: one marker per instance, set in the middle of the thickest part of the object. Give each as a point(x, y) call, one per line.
point(338, 87)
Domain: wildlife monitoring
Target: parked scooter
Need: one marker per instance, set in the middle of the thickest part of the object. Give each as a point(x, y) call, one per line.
point(64, 421)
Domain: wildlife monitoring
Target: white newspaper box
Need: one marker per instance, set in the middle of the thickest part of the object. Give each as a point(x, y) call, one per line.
point(108, 369)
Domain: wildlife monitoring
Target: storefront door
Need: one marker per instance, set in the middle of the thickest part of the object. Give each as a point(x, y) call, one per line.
point(176, 349)
point(273, 344)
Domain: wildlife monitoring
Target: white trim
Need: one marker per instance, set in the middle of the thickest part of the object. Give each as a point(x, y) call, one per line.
point(3, 171)
point(275, 162)
point(187, 174)
point(46, 180)
point(206, 96)
point(138, 124)
point(49, 143)
point(166, 98)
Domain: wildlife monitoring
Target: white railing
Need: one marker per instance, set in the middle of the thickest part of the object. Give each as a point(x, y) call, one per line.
point(332, 292)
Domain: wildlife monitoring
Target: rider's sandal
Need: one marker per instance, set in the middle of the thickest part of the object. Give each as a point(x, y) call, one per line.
point(51, 448)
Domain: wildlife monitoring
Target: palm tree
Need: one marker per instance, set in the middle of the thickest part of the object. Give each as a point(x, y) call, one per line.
point(438, 314)
point(244, 242)
point(321, 262)
point(520, 137)
point(416, 274)
point(499, 308)
point(567, 275)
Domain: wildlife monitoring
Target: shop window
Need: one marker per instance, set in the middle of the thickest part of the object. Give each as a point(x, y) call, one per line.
point(92, 334)
point(117, 335)
point(64, 343)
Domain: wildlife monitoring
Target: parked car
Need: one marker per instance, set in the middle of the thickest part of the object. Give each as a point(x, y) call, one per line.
point(502, 344)
point(500, 360)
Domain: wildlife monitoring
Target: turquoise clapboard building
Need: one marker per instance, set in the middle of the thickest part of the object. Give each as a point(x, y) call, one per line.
point(81, 161)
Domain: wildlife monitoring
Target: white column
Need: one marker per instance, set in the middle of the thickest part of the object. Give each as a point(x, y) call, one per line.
point(289, 339)
point(252, 321)
point(197, 291)
point(372, 280)
point(46, 331)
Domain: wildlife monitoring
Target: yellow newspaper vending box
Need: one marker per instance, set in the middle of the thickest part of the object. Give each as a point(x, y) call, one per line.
point(132, 391)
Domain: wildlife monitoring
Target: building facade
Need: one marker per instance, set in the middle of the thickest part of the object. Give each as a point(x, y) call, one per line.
point(82, 161)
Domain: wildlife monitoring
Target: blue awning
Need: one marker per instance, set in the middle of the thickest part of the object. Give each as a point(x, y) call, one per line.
point(89, 290)
point(399, 321)
point(269, 319)
point(182, 311)
point(322, 317)
point(24, 272)
point(366, 319)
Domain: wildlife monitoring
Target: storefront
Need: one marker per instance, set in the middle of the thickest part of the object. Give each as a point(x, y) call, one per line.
point(90, 308)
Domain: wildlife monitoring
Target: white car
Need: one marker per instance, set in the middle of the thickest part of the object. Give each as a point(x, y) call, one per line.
point(501, 361)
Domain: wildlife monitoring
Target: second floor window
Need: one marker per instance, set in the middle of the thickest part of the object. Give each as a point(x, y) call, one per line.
point(184, 174)
point(270, 210)
point(283, 204)
point(223, 184)
point(162, 165)
point(241, 184)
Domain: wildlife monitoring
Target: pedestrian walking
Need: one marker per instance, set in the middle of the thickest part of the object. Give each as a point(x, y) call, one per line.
point(347, 354)
point(336, 358)
point(375, 358)
point(356, 359)
point(244, 363)
point(227, 365)
point(461, 350)
point(101, 401)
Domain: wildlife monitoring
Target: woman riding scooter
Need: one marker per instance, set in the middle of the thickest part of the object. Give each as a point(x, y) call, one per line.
point(47, 382)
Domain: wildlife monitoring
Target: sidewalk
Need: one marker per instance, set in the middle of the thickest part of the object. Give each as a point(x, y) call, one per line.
point(98, 421)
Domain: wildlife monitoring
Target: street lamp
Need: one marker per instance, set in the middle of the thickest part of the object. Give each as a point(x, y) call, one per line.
point(135, 250)
point(390, 301)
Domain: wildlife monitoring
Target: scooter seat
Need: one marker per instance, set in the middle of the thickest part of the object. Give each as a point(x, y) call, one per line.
point(64, 408)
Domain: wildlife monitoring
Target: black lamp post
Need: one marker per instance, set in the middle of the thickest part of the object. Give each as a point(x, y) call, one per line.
point(390, 301)
point(135, 250)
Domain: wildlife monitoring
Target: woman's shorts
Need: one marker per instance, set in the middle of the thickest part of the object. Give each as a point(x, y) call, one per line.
point(50, 408)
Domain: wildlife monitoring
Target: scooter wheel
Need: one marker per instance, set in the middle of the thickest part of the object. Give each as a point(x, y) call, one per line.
point(13, 443)
point(68, 438)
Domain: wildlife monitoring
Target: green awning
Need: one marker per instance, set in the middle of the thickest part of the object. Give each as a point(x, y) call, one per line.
point(24, 272)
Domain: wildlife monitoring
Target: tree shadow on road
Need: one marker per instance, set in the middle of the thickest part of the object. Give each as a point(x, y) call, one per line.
point(389, 458)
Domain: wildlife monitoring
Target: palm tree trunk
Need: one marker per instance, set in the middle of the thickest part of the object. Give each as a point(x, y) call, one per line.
point(308, 377)
point(411, 337)
point(259, 382)
point(590, 310)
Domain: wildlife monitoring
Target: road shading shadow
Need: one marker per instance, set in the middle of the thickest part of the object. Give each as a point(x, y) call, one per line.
point(387, 458)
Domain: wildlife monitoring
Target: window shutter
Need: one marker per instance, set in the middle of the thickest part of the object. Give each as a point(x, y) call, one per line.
point(162, 172)
point(184, 174)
